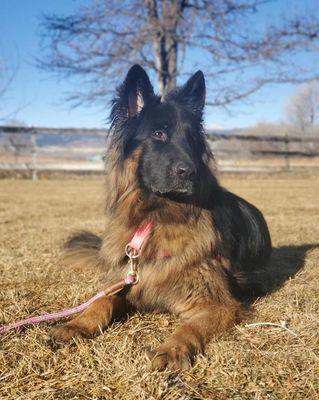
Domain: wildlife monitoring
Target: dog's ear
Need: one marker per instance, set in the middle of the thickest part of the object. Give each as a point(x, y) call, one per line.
point(192, 94)
point(135, 92)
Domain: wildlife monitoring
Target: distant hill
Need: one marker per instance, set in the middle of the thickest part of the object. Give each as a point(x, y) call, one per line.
point(76, 140)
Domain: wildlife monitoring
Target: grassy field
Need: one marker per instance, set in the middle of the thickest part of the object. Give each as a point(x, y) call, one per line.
point(247, 363)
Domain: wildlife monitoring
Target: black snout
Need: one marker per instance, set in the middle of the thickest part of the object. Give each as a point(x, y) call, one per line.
point(183, 170)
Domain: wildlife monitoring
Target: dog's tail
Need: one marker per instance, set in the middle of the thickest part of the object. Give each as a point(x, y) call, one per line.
point(82, 250)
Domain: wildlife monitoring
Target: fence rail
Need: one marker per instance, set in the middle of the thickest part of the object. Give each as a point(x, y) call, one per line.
point(81, 150)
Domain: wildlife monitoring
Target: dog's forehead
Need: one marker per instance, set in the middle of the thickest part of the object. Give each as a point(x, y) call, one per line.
point(168, 113)
point(162, 112)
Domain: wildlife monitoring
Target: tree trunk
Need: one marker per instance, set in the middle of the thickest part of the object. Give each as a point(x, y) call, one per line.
point(165, 41)
point(167, 64)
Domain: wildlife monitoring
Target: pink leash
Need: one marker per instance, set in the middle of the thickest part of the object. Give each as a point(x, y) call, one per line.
point(132, 251)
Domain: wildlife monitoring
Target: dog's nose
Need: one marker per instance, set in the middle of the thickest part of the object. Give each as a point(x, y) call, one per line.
point(183, 170)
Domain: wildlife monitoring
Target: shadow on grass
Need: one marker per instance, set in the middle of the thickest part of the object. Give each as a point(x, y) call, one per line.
point(285, 263)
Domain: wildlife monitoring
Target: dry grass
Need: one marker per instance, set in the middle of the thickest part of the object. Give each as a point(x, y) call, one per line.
point(247, 363)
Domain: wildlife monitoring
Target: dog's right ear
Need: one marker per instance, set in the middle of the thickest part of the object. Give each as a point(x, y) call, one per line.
point(192, 94)
point(134, 93)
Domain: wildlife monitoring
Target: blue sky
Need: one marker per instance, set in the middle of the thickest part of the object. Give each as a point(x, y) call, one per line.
point(37, 98)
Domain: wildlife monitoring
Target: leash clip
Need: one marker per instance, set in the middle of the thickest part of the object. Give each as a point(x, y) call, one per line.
point(132, 251)
point(133, 255)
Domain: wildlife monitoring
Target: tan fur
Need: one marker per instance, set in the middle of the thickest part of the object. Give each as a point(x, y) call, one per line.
point(191, 283)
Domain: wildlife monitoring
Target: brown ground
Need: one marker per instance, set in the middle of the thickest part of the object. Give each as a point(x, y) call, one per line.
point(247, 363)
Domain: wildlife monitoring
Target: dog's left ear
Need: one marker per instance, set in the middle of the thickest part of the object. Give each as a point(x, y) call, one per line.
point(193, 93)
point(135, 92)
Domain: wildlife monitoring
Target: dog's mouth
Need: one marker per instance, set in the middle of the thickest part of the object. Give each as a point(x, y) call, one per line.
point(173, 191)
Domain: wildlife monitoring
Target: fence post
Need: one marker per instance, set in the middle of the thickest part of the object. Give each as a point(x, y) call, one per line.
point(287, 159)
point(34, 155)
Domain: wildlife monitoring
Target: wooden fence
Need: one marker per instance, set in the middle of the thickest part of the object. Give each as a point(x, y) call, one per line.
point(82, 150)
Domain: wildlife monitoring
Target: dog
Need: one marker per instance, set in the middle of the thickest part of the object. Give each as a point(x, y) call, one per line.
point(208, 252)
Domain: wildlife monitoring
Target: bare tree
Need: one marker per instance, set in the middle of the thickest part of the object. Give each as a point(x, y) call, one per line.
point(173, 37)
point(303, 108)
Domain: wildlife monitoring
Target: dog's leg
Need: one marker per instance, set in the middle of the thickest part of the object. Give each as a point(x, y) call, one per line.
point(201, 323)
point(90, 322)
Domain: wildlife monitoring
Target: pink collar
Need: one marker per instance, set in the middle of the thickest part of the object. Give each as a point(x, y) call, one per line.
point(140, 236)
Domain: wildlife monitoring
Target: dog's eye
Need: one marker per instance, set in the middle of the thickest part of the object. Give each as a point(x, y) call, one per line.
point(159, 135)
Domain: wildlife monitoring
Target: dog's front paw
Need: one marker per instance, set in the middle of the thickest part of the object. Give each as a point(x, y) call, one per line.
point(65, 333)
point(174, 357)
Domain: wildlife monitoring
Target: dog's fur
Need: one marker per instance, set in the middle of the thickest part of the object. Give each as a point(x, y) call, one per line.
point(209, 249)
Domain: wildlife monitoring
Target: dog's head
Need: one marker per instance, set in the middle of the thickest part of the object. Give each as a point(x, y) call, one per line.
point(168, 131)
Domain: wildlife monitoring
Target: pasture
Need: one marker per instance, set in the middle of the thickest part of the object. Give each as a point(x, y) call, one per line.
point(250, 362)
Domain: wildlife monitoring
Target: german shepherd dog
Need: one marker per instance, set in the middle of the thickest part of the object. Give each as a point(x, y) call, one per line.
point(209, 249)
